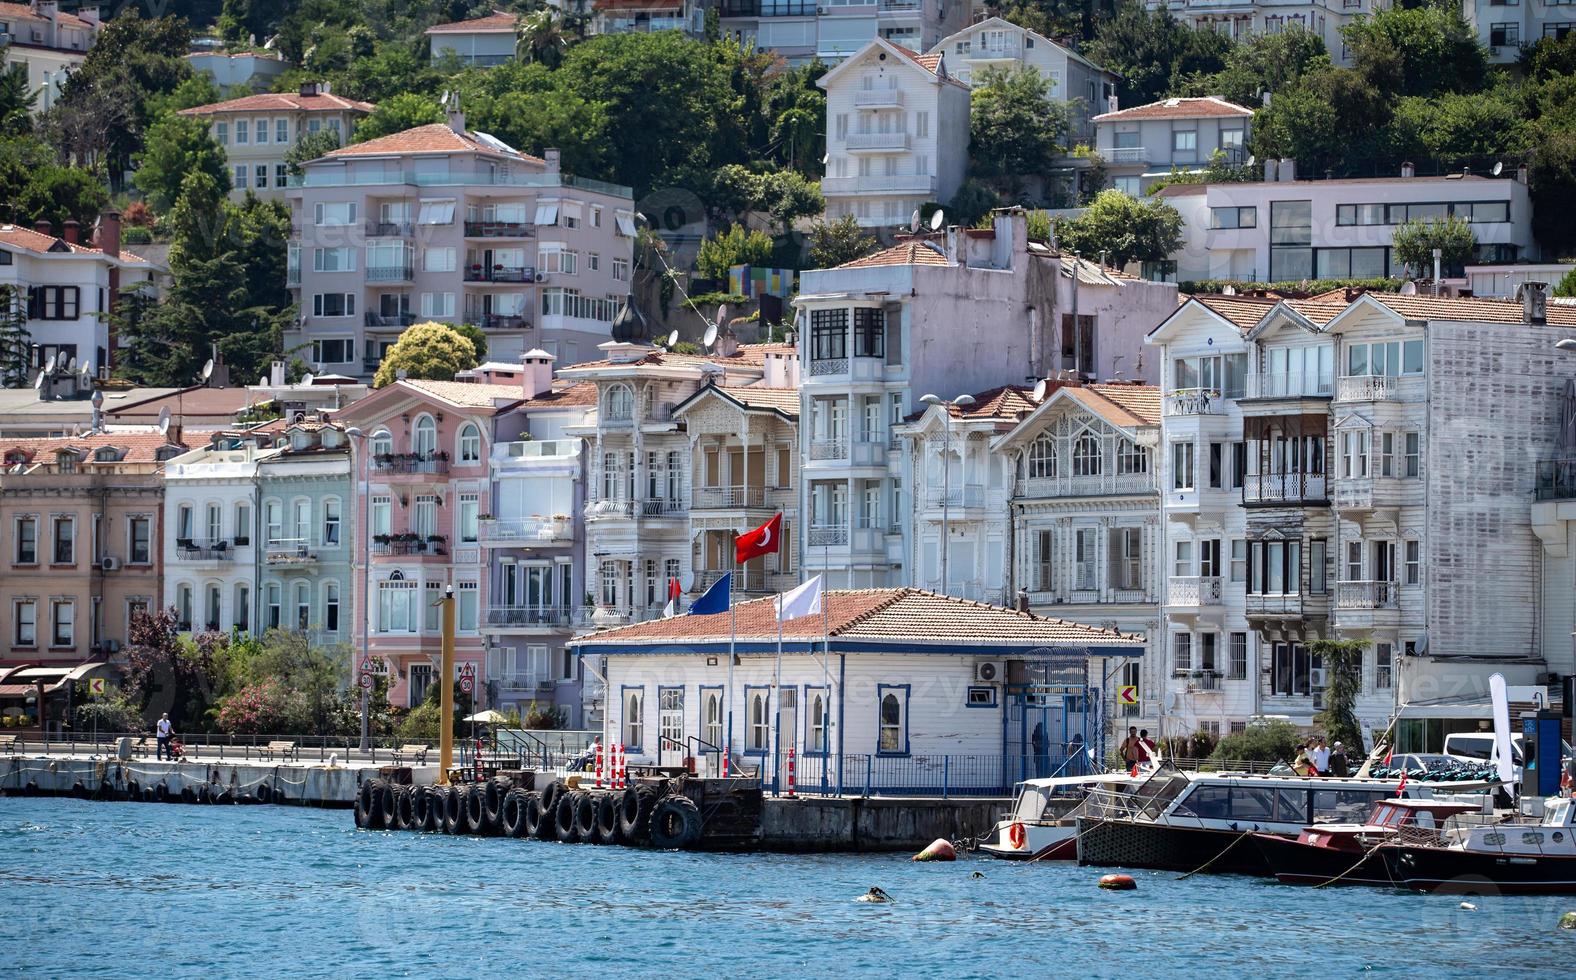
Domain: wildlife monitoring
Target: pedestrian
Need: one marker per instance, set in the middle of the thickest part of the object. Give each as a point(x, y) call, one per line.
point(1146, 748)
point(1319, 755)
point(1037, 743)
point(1130, 748)
point(1338, 764)
point(162, 736)
point(1303, 764)
point(587, 757)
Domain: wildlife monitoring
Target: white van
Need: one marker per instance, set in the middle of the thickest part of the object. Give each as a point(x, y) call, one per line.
point(1478, 746)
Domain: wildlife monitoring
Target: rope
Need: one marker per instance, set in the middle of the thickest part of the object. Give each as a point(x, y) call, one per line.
point(1217, 857)
point(1366, 855)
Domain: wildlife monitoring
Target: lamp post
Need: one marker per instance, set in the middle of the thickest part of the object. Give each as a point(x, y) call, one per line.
point(962, 401)
point(355, 434)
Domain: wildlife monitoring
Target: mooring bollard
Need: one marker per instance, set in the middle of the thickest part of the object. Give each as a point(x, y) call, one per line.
point(598, 765)
point(724, 765)
point(790, 770)
point(623, 767)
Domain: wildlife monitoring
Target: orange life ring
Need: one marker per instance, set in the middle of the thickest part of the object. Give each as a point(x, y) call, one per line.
point(1016, 835)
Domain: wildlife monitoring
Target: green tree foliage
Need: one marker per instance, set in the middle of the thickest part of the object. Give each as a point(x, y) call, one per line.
point(286, 683)
point(736, 246)
point(1343, 666)
point(972, 202)
point(542, 39)
point(834, 242)
point(1014, 127)
point(177, 146)
point(1153, 52)
point(17, 100)
point(1274, 741)
point(310, 147)
point(424, 721)
point(395, 115)
point(434, 351)
point(1125, 228)
point(166, 673)
point(1414, 243)
point(15, 341)
point(477, 336)
point(1422, 50)
point(56, 193)
point(1567, 284)
point(109, 713)
point(1265, 63)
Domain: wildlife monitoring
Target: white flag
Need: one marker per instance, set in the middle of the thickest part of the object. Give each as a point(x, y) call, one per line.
point(671, 609)
point(804, 600)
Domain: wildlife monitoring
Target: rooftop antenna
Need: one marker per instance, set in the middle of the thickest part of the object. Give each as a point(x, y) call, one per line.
point(938, 219)
point(913, 222)
point(1499, 167)
point(308, 379)
point(206, 372)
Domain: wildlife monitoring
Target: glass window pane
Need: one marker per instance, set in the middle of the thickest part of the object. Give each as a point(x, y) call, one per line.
point(1412, 357)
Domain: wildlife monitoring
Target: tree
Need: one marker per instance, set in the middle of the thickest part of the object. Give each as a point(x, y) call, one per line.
point(176, 146)
point(1125, 228)
point(15, 342)
point(1014, 127)
point(1273, 741)
point(1343, 669)
point(1424, 50)
point(17, 99)
point(434, 351)
point(477, 336)
point(1265, 63)
point(972, 202)
point(1567, 284)
point(1414, 243)
point(736, 246)
point(165, 673)
point(834, 242)
point(310, 147)
point(55, 194)
point(1153, 53)
point(395, 115)
point(541, 39)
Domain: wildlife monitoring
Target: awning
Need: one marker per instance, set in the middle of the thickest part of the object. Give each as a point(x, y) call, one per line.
point(547, 214)
point(626, 223)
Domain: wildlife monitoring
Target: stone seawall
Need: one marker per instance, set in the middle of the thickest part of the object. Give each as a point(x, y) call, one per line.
point(285, 782)
point(872, 824)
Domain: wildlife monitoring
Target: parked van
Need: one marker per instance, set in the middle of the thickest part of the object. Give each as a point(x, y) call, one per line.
point(1478, 746)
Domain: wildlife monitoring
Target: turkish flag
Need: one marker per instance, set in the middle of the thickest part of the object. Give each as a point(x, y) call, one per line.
point(764, 540)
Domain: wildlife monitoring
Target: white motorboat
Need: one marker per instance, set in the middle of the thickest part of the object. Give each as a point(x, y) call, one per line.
point(1042, 824)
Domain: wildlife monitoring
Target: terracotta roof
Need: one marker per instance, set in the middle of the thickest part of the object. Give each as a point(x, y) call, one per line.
point(431, 138)
point(905, 253)
point(139, 447)
point(1140, 403)
point(774, 348)
point(1008, 402)
point(497, 22)
point(872, 614)
point(281, 102)
point(1474, 309)
point(465, 394)
point(1244, 311)
point(26, 238)
point(752, 355)
point(930, 62)
point(25, 12)
point(784, 400)
point(1194, 108)
point(192, 403)
point(577, 395)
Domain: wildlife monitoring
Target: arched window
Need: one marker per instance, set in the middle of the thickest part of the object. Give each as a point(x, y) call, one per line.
point(714, 719)
point(1086, 455)
point(183, 606)
point(425, 443)
point(382, 443)
point(1131, 458)
point(620, 403)
point(760, 726)
point(212, 606)
point(817, 723)
point(892, 736)
point(470, 444)
point(183, 523)
point(634, 728)
point(1042, 458)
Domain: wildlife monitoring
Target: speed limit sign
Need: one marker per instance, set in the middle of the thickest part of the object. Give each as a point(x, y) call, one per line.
point(465, 683)
point(366, 681)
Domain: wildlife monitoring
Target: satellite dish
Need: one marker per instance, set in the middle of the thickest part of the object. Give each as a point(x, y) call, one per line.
point(1420, 646)
point(1409, 288)
point(97, 399)
point(87, 374)
point(38, 383)
point(164, 420)
point(49, 365)
point(673, 338)
point(207, 369)
point(937, 220)
point(263, 381)
point(1499, 167)
point(1039, 390)
point(722, 314)
point(1252, 159)
point(71, 365)
point(913, 221)
point(1228, 290)
point(308, 378)
point(710, 337)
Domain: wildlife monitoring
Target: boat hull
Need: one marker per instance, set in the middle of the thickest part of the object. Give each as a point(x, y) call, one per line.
point(1134, 844)
point(1455, 872)
point(1064, 848)
point(1293, 862)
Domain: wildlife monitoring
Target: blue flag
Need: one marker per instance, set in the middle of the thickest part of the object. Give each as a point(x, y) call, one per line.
point(716, 598)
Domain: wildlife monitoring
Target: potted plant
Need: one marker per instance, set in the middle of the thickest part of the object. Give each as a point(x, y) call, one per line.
point(436, 539)
point(380, 539)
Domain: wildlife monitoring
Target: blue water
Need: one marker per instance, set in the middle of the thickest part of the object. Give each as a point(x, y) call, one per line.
point(107, 889)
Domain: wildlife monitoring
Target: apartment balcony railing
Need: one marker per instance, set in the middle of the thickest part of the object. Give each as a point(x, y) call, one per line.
point(187, 550)
point(1195, 590)
point(828, 365)
point(1365, 595)
point(657, 507)
point(728, 497)
point(435, 463)
point(390, 229)
point(409, 543)
point(971, 495)
point(663, 507)
point(997, 52)
point(390, 320)
point(1286, 488)
point(500, 273)
point(1128, 154)
point(879, 98)
point(878, 184)
point(1104, 484)
point(525, 533)
point(828, 536)
point(1365, 388)
point(293, 276)
point(499, 321)
point(293, 551)
point(1556, 479)
point(612, 507)
point(557, 616)
point(499, 229)
point(1286, 605)
point(1289, 385)
point(1194, 401)
point(391, 273)
point(877, 141)
point(370, 365)
point(829, 449)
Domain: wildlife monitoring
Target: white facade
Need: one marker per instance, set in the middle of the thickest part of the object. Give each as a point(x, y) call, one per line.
point(1505, 26)
point(802, 30)
point(1144, 143)
point(240, 69)
point(1504, 281)
point(1338, 229)
point(897, 134)
point(479, 43)
point(47, 43)
point(1244, 19)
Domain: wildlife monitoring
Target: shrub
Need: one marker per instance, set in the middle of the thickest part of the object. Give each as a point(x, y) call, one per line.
point(262, 709)
point(1271, 741)
point(111, 713)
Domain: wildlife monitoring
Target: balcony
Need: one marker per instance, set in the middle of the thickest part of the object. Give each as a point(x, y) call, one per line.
point(1194, 591)
point(391, 273)
point(1365, 595)
point(500, 274)
point(881, 184)
point(408, 544)
point(1556, 479)
point(879, 98)
point(1294, 385)
point(390, 229)
point(499, 321)
point(747, 580)
point(1356, 496)
point(292, 551)
point(828, 536)
point(1194, 401)
point(1206, 680)
point(535, 532)
point(553, 617)
point(658, 508)
point(393, 321)
point(663, 507)
point(1128, 155)
point(828, 365)
point(876, 142)
point(418, 463)
point(1101, 485)
point(1000, 52)
point(189, 550)
point(1367, 388)
point(727, 498)
point(829, 449)
point(970, 495)
point(499, 229)
point(1287, 608)
point(1294, 489)
point(293, 276)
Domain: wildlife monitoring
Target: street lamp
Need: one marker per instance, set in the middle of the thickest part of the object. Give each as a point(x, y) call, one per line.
point(962, 401)
point(354, 434)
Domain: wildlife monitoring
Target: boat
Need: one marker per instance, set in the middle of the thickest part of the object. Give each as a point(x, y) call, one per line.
point(1181, 821)
point(1347, 854)
point(1511, 858)
point(1042, 825)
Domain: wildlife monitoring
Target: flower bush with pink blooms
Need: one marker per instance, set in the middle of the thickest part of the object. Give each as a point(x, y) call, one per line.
point(265, 708)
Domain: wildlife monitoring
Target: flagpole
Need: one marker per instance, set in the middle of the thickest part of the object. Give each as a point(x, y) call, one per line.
point(826, 683)
point(777, 683)
point(733, 638)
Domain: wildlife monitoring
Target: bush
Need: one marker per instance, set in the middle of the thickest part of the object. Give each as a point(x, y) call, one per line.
point(136, 235)
point(112, 713)
point(1271, 741)
point(1305, 287)
point(267, 708)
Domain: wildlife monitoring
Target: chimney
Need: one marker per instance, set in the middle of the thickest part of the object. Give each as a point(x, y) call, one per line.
point(1521, 174)
point(551, 156)
point(44, 227)
point(309, 89)
point(47, 9)
point(71, 231)
point(276, 374)
point(1408, 169)
point(1288, 169)
point(106, 238)
point(456, 117)
point(1534, 298)
point(1269, 170)
point(537, 378)
point(1021, 602)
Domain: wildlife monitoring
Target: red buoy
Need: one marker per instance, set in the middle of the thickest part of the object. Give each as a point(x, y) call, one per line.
point(1118, 883)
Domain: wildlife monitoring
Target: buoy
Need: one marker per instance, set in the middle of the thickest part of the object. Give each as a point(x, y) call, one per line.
point(940, 849)
point(875, 895)
point(1568, 920)
point(1118, 883)
point(1468, 907)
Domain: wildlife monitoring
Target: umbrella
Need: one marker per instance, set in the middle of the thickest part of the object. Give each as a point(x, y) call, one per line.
point(488, 717)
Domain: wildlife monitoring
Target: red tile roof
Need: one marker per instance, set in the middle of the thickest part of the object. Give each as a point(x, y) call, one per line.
point(26, 238)
point(23, 11)
point(497, 22)
point(1008, 403)
point(1244, 311)
point(191, 404)
point(1474, 309)
point(431, 138)
point(581, 394)
point(784, 400)
point(910, 615)
point(752, 355)
point(281, 102)
point(1192, 108)
point(1134, 404)
point(905, 253)
point(138, 447)
point(466, 394)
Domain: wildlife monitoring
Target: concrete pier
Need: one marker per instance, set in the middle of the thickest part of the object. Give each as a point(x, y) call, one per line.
point(806, 824)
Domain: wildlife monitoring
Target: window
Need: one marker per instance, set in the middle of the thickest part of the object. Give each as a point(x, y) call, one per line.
point(1318, 550)
point(593, 261)
point(1412, 462)
point(828, 334)
point(281, 174)
point(260, 176)
point(139, 533)
point(1351, 263)
point(1384, 666)
point(273, 522)
point(1237, 657)
point(25, 616)
point(467, 601)
point(26, 541)
point(1131, 186)
point(1391, 359)
point(1291, 235)
point(55, 303)
point(1290, 669)
point(440, 260)
point(1274, 567)
point(1239, 560)
point(333, 304)
point(396, 605)
point(634, 721)
point(331, 522)
point(1182, 566)
point(242, 131)
point(1182, 651)
point(470, 444)
point(1235, 217)
point(1412, 561)
point(221, 133)
point(65, 539)
point(1182, 465)
point(1126, 558)
point(758, 737)
point(62, 617)
point(1131, 458)
point(1506, 34)
point(341, 351)
point(243, 523)
point(892, 721)
point(1360, 214)
point(438, 305)
point(620, 403)
point(435, 213)
point(1184, 143)
point(334, 213)
point(342, 259)
point(1086, 456)
point(620, 270)
point(425, 441)
point(1084, 559)
point(869, 332)
point(469, 511)
point(1042, 458)
point(281, 130)
point(815, 733)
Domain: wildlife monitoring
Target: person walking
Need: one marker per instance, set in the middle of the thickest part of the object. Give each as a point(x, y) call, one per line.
point(162, 736)
point(1338, 763)
point(1129, 748)
point(1146, 748)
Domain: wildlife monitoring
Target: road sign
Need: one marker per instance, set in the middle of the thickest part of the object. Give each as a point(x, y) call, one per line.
point(366, 680)
point(1127, 694)
point(96, 686)
point(366, 666)
point(465, 684)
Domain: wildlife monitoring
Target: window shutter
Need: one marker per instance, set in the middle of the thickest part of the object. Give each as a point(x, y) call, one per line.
point(1113, 558)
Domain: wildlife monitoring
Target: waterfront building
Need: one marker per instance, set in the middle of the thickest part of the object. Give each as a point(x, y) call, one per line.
point(897, 134)
point(803, 30)
point(880, 332)
point(81, 527)
point(1285, 229)
point(438, 223)
point(47, 42)
point(887, 689)
point(1241, 20)
point(480, 42)
point(305, 505)
point(69, 287)
point(421, 466)
point(1506, 27)
point(632, 16)
point(257, 131)
point(1143, 143)
point(1505, 281)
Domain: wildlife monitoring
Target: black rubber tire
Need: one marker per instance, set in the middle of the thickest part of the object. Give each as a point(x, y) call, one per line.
point(361, 815)
point(551, 795)
point(388, 805)
point(473, 817)
point(675, 823)
point(537, 824)
point(405, 808)
point(420, 807)
point(204, 794)
point(221, 795)
point(31, 789)
point(106, 790)
point(366, 795)
point(564, 817)
point(188, 795)
point(261, 792)
point(585, 818)
point(453, 811)
point(372, 803)
point(607, 819)
point(634, 820)
point(79, 790)
point(133, 791)
point(512, 820)
point(147, 794)
point(493, 793)
point(161, 792)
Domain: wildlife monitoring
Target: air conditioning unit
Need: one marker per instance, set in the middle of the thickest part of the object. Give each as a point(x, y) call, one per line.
point(540, 277)
point(1316, 677)
point(990, 671)
point(109, 563)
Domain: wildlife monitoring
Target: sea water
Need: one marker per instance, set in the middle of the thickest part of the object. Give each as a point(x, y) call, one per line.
point(119, 889)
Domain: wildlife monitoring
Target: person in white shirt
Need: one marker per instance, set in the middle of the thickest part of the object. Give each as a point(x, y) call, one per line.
point(1319, 755)
point(162, 731)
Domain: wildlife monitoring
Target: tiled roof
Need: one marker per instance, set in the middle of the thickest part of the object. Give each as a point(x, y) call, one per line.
point(774, 348)
point(1479, 310)
point(497, 22)
point(466, 394)
point(26, 238)
point(188, 405)
point(431, 138)
point(281, 102)
point(1007, 402)
point(784, 400)
point(1244, 311)
point(752, 355)
point(1141, 403)
point(139, 447)
point(904, 253)
point(1193, 108)
point(581, 394)
point(873, 614)
point(11, 11)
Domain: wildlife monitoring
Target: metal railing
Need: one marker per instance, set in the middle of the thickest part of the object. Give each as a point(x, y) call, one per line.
point(390, 229)
point(1260, 488)
point(663, 507)
point(212, 551)
point(828, 365)
point(294, 551)
point(500, 321)
point(876, 141)
point(540, 530)
point(499, 229)
point(829, 449)
point(1127, 154)
point(390, 319)
point(500, 273)
point(1194, 590)
point(1365, 388)
point(560, 616)
point(1294, 384)
point(1556, 479)
point(971, 495)
point(821, 774)
point(831, 535)
point(408, 546)
point(1194, 401)
point(437, 463)
point(1365, 595)
point(390, 273)
point(1087, 486)
point(219, 747)
point(710, 497)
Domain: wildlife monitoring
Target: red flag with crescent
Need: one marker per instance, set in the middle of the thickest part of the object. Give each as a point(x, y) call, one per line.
point(764, 540)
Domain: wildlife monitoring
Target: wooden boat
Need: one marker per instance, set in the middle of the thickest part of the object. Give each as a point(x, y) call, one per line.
point(1346, 853)
point(1042, 823)
point(1513, 858)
